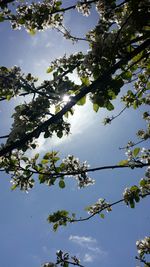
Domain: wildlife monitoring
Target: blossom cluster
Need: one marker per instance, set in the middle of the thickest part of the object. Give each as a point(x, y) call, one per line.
point(9, 81)
point(143, 246)
point(131, 194)
point(104, 7)
point(145, 183)
point(37, 16)
point(63, 257)
point(28, 116)
point(137, 155)
point(84, 8)
point(100, 205)
point(134, 193)
point(74, 167)
point(21, 176)
point(144, 134)
point(22, 182)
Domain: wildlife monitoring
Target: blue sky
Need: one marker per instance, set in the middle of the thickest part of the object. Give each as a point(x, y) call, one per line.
point(26, 239)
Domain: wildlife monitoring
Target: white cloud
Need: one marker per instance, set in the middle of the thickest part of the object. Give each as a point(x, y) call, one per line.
point(89, 247)
point(82, 240)
point(95, 249)
point(88, 258)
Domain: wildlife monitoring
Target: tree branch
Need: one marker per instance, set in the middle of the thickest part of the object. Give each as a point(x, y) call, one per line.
point(147, 264)
point(61, 174)
point(4, 136)
point(133, 144)
point(102, 82)
point(105, 208)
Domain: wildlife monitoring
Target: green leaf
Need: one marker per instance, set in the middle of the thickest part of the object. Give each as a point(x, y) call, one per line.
point(47, 155)
point(1, 18)
point(66, 115)
point(60, 134)
point(36, 156)
point(135, 104)
point(127, 75)
point(111, 94)
point(55, 227)
point(85, 81)
point(62, 166)
point(41, 178)
point(21, 21)
point(66, 264)
point(116, 84)
point(95, 107)
point(44, 161)
point(62, 184)
point(148, 86)
point(109, 106)
point(137, 198)
point(46, 134)
point(82, 101)
point(102, 215)
point(14, 187)
point(32, 32)
point(132, 205)
point(25, 159)
point(58, 3)
point(123, 162)
point(134, 188)
point(8, 97)
point(57, 109)
point(71, 111)
point(136, 151)
point(55, 159)
point(49, 70)
point(143, 182)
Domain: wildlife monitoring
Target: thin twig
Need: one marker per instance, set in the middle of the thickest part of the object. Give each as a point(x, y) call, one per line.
point(116, 116)
point(133, 144)
point(67, 34)
point(143, 261)
point(104, 208)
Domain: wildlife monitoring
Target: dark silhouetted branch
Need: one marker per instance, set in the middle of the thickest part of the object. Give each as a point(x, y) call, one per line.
point(102, 82)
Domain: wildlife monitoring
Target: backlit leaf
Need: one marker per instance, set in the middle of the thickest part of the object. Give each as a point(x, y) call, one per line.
point(136, 151)
point(82, 101)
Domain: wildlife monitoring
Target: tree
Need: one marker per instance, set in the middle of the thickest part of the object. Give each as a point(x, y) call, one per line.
point(118, 55)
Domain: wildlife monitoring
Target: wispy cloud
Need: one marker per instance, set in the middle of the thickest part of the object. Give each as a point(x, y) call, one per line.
point(90, 248)
point(88, 257)
point(82, 240)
